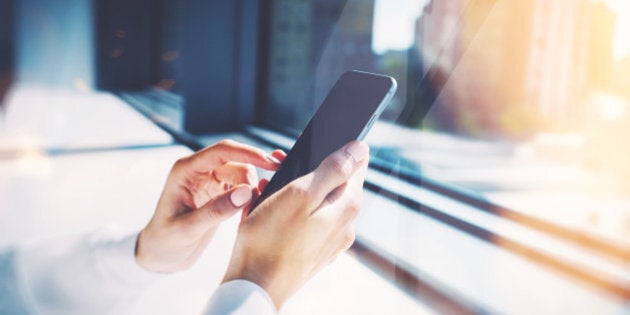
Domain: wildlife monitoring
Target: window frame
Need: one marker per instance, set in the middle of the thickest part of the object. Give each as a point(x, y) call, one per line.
point(219, 42)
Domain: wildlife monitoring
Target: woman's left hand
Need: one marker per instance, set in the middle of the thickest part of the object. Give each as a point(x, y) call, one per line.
point(201, 191)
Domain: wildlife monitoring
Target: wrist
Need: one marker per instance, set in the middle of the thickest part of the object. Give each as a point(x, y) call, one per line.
point(140, 252)
point(143, 256)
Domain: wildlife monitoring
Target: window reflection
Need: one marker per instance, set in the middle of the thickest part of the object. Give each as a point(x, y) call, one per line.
point(168, 59)
point(527, 100)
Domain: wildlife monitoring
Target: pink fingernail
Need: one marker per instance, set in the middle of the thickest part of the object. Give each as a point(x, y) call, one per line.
point(241, 196)
point(273, 160)
point(358, 150)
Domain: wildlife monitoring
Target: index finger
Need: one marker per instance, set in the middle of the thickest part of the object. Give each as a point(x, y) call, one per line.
point(231, 151)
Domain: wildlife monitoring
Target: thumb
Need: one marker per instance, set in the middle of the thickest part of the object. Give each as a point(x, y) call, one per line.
point(222, 207)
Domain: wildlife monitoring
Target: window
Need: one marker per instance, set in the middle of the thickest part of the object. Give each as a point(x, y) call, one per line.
point(139, 44)
point(523, 96)
point(510, 107)
point(497, 144)
point(169, 52)
point(6, 48)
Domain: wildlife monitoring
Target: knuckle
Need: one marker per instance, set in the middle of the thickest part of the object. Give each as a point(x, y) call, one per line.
point(349, 238)
point(353, 208)
point(245, 173)
point(297, 189)
point(224, 143)
point(250, 170)
point(339, 166)
point(180, 163)
point(300, 191)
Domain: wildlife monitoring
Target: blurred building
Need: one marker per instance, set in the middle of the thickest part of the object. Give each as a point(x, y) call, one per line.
point(6, 48)
point(508, 64)
point(288, 58)
point(316, 41)
point(347, 47)
point(570, 54)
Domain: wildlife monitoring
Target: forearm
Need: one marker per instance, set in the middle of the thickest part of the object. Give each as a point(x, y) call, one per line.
point(93, 275)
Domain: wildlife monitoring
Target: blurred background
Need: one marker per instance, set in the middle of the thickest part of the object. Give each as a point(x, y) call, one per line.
point(508, 128)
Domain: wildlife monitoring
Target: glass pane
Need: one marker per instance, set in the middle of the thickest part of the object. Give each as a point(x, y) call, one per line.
point(169, 47)
point(526, 102)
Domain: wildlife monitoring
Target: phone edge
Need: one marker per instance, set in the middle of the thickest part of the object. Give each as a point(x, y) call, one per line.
point(381, 107)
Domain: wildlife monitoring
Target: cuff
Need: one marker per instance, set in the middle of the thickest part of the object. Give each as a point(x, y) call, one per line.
point(240, 297)
point(118, 258)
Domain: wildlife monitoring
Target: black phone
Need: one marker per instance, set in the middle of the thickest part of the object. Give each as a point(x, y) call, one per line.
point(355, 101)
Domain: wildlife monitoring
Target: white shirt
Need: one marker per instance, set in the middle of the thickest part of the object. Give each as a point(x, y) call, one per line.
point(97, 275)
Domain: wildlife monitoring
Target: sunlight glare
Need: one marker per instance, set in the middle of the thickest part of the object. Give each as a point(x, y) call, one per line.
point(621, 47)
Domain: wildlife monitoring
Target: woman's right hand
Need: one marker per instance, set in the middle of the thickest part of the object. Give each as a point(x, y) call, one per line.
point(302, 227)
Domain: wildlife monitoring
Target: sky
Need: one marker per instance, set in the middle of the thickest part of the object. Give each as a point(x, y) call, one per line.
point(394, 22)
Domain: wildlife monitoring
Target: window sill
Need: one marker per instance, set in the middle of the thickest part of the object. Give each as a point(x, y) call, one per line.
point(458, 257)
point(427, 235)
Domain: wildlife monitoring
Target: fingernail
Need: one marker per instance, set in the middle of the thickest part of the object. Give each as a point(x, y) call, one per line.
point(273, 160)
point(358, 150)
point(241, 196)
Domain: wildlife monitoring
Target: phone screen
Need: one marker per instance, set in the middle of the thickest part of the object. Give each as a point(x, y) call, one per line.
point(348, 111)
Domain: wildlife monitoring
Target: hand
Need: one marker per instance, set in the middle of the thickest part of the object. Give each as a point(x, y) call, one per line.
point(302, 227)
point(201, 191)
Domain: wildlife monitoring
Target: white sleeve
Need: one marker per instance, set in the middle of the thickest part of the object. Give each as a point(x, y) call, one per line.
point(93, 275)
point(240, 297)
point(11, 299)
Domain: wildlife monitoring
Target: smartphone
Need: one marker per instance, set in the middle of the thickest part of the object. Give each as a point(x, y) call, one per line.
point(349, 110)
